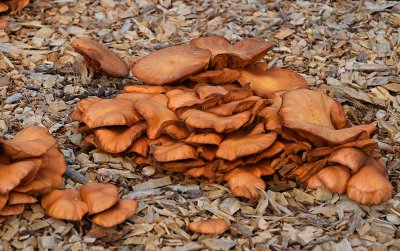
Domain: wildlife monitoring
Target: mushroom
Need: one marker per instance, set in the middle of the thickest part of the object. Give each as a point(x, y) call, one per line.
point(99, 197)
point(234, 107)
point(207, 152)
point(316, 116)
point(117, 214)
point(181, 166)
point(295, 147)
point(177, 151)
point(335, 178)
point(349, 157)
point(235, 147)
point(306, 170)
point(204, 120)
point(12, 175)
point(244, 184)
point(98, 58)
point(111, 112)
point(176, 131)
point(369, 185)
point(117, 140)
point(272, 120)
point(276, 148)
point(266, 83)
point(171, 65)
point(224, 55)
point(207, 171)
point(225, 75)
point(3, 22)
point(314, 182)
point(145, 89)
point(208, 91)
point(134, 96)
point(16, 5)
point(20, 198)
point(179, 101)
point(3, 200)
point(12, 210)
point(3, 7)
point(204, 139)
point(64, 204)
point(226, 166)
point(140, 147)
point(209, 226)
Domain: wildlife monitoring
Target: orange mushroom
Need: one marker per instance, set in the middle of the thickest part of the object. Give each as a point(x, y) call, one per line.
point(369, 185)
point(234, 107)
point(335, 178)
point(204, 139)
point(134, 96)
point(224, 55)
point(12, 175)
point(12, 210)
point(276, 148)
point(313, 114)
point(244, 184)
point(314, 182)
point(3, 200)
point(225, 75)
point(117, 214)
point(99, 58)
point(210, 226)
point(177, 151)
point(117, 140)
point(171, 65)
point(145, 89)
point(14, 6)
point(349, 157)
point(64, 204)
point(140, 147)
point(207, 171)
point(3, 7)
point(181, 166)
point(272, 120)
point(207, 91)
point(99, 197)
point(306, 170)
point(179, 101)
point(3, 22)
point(266, 83)
point(207, 152)
point(176, 131)
point(111, 112)
point(20, 198)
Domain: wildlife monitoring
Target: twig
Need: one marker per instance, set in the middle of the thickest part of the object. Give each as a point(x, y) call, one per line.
point(75, 176)
point(320, 241)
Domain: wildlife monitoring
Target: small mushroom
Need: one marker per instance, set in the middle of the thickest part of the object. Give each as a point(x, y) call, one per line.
point(225, 75)
point(177, 151)
point(20, 198)
point(99, 197)
point(65, 205)
point(209, 226)
point(207, 152)
point(350, 157)
point(314, 182)
point(207, 138)
point(140, 147)
point(306, 170)
point(3, 7)
point(99, 58)
point(12, 210)
point(208, 91)
point(177, 132)
point(171, 65)
point(12, 175)
point(16, 6)
point(117, 214)
point(244, 184)
point(145, 89)
point(335, 178)
point(276, 148)
point(207, 171)
point(3, 200)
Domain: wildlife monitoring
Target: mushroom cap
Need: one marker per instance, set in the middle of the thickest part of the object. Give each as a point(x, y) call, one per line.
point(12, 210)
point(3, 200)
point(145, 89)
point(350, 157)
point(64, 204)
point(84, 104)
point(224, 55)
point(234, 107)
point(266, 83)
point(3, 7)
point(140, 147)
point(209, 226)
point(99, 197)
point(157, 115)
point(32, 141)
point(306, 170)
point(175, 131)
point(20, 198)
point(226, 166)
point(111, 112)
point(134, 96)
point(335, 178)
point(207, 91)
point(181, 166)
point(272, 120)
point(171, 65)
point(177, 151)
point(207, 138)
point(102, 58)
point(276, 148)
point(117, 214)
point(312, 113)
point(233, 148)
point(17, 6)
point(244, 183)
point(314, 182)
point(117, 140)
point(179, 101)
point(295, 147)
point(207, 171)
point(369, 185)
point(225, 75)
point(4, 159)
point(207, 152)
point(205, 120)
point(12, 175)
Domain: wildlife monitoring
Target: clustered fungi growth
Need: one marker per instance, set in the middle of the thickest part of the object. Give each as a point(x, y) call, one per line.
point(30, 164)
point(100, 201)
point(211, 109)
point(13, 6)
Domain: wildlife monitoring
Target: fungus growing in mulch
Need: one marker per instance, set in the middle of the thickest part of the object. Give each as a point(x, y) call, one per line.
point(209, 226)
point(64, 204)
point(14, 6)
point(99, 197)
point(117, 214)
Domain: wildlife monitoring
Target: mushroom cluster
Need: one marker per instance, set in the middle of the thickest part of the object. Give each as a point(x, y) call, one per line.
point(100, 201)
point(30, 164)
point(212, 109)
point(13, 6)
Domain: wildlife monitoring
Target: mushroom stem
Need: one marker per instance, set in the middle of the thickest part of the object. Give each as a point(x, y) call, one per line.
point(75, 176)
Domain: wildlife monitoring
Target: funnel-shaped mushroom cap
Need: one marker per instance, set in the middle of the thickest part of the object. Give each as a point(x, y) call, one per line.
point(177, 151)
point(32, 141)
point(314, 182)
point(224, 55)
point(145, 89)
point(318, 115)
point(118, 140)
point(236, 147)
point(176, 132)
point(210, 226)
point(157, 116)
point(207, 152)
point(234, 107)
point(181, 166)
point(12, 175)
point(12, 210)
point(335, 178)
point(276, 148)
point(204, 120)
point(208, 91)
point(171, 65)
point(117, 214)
point(369, 186)
point(99, 197)
point(140, 147)
point(265, 83)
point(101, 58)
point(20, 198)
point(350, 157)
point(225, 75)
point(204, 139)
point(111, 112)
point(65, 205)
point(3, 200)
point(207, 171)
point(244, 184)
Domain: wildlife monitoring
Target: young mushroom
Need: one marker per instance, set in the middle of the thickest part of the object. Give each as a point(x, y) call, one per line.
point(117, 214)
point(209, 226)
point(99, 197)
point(65, 205)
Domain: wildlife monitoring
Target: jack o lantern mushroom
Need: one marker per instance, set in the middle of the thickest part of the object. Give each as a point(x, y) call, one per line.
point(20, 198)
point(140, 147)
point(244, 184)
point(234, 107)
point(349, 157)
point(207, 171)
point(171, 65)
point(3, 200)
point(12, 210)
point(224, 55)
point(99, 197)
point(145, 89)
point(117, 214)
point(12, 175)
point(177, 151)
point(98, 58)
point(207, 152)
point(335, 178)
point(65, 205)
point(204, 139)
point(209, 226)
point(223, 76)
